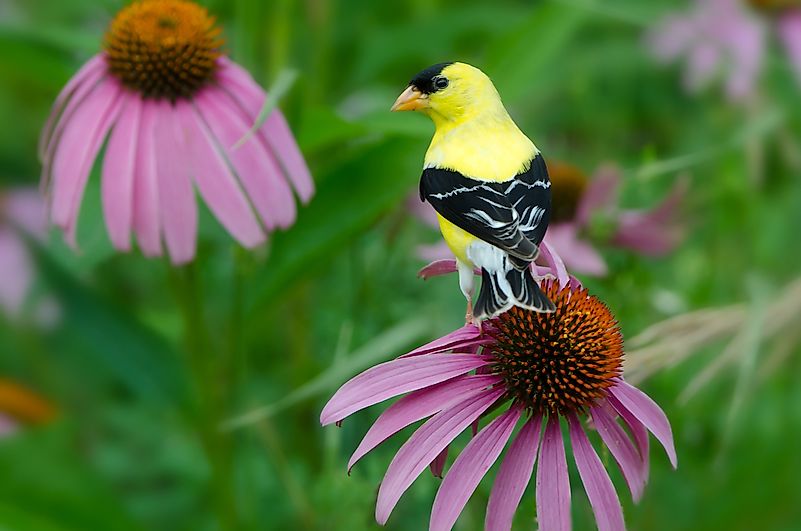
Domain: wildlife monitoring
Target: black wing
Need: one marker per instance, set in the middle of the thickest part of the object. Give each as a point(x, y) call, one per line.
point(530, 195)
point(478, 207)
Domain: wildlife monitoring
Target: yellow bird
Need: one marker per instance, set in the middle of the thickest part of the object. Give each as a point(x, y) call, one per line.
point(488, 183)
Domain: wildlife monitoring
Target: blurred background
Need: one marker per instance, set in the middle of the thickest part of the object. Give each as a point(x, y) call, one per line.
point(108, 424)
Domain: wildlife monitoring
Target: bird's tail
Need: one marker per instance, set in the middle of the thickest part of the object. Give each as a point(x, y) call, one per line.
point(501, 290)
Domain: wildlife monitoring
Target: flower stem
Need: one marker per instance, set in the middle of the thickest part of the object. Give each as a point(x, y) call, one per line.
point(208, 393)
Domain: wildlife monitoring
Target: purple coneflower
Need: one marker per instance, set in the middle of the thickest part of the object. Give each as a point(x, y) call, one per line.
point(173, 109)
point(22, 212)
point(540, 368)
point(722, 38)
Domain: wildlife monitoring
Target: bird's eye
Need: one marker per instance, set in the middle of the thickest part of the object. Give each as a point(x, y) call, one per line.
point(441, 82)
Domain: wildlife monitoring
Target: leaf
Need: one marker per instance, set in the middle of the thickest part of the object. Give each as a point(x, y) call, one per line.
point(376, 350)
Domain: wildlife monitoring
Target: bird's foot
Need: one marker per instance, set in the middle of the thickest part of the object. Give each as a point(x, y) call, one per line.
point(468, 316)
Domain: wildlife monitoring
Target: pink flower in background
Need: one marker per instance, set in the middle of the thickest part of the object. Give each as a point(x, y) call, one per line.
point(717, 37)
point(725, 38)
point(576, 202)
point(533, 369)
point(22, 212)
point(174, 111)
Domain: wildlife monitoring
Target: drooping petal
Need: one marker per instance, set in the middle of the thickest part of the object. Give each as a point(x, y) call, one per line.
point(238, 82)
point(621, 448)
point(553, 483)
point(580, 256)
point(649, 413)
point(25, 208)
point(601, 193)
point(86, 77)
point(554, 262)
point(603, 498)
point(424, 445)
point(396, 377)
point(638, 430)
point(462, 339)
point(438, 268)
point(146, 222)
point(255, 165)
point(76, 151)
point(468, 469)
point(176, 197)
point(118, 173)
point(16, 272)
point(214, 180)
point(437, 466)
point(417, 406)
point(513, 477)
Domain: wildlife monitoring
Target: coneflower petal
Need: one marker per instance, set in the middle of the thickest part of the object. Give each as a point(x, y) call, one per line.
point(177, 203)
point(467, 336)
point(255, 165)
point(553, 482)
point(275, 129)
point(216, 183)
point(513, 477)
point(649, 413)
point(145, 187)
point(394, 378)
point(640, 433)
point(468, 469)
point(76, 151)
point(86, 76)
point(417, 406)
point(621, 448)
point(118, 174)
point(600, 491)
point(423, 447)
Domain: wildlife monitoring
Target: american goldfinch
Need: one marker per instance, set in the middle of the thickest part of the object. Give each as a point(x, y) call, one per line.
point(488, 184)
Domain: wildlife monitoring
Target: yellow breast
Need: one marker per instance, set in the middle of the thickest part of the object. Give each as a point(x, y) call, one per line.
point(457, 239)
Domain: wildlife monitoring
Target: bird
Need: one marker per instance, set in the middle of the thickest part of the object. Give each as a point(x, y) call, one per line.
point(488, 184)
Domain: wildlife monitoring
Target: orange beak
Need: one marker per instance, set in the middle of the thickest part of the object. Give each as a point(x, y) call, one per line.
point(410, 99)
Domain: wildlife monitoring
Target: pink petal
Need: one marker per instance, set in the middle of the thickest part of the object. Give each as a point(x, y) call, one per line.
point(463, 338)
point(638, 430)
point(621, 448)
point(468, 469)
point(86, 76)
point(437, 466)
point(422, 210)
point(214, 179)
point(417, 406)
point(601, 193)
point(424, 445)
point(603, 498)
point(118, 172)
point(25, 208)
point(258, 171)
point(8, 426)
point(513, 477)
point(76, 151)
point(649, 413)
point(577, 254)
point(438, 268)
point(241, 86)
point(554, 261)
point(553, 483)
point(16, 274)
point(146, 189)
point(790, 32)
point(176, 196)
point(396, 377)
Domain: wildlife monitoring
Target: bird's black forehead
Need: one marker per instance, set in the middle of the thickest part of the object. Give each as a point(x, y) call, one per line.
point(424, 80)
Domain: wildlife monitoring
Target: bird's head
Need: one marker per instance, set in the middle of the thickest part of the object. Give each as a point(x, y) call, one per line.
point(450, 93)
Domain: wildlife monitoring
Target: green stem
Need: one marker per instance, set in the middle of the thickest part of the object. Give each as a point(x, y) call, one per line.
point(208, 393)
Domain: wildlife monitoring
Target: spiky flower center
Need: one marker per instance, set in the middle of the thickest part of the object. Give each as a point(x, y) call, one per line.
point(568, 184)
point(558, 362)
point(165, 49)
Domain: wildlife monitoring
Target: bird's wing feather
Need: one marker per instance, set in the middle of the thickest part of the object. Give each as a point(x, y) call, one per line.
point(530, 195)
point(478, 207)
